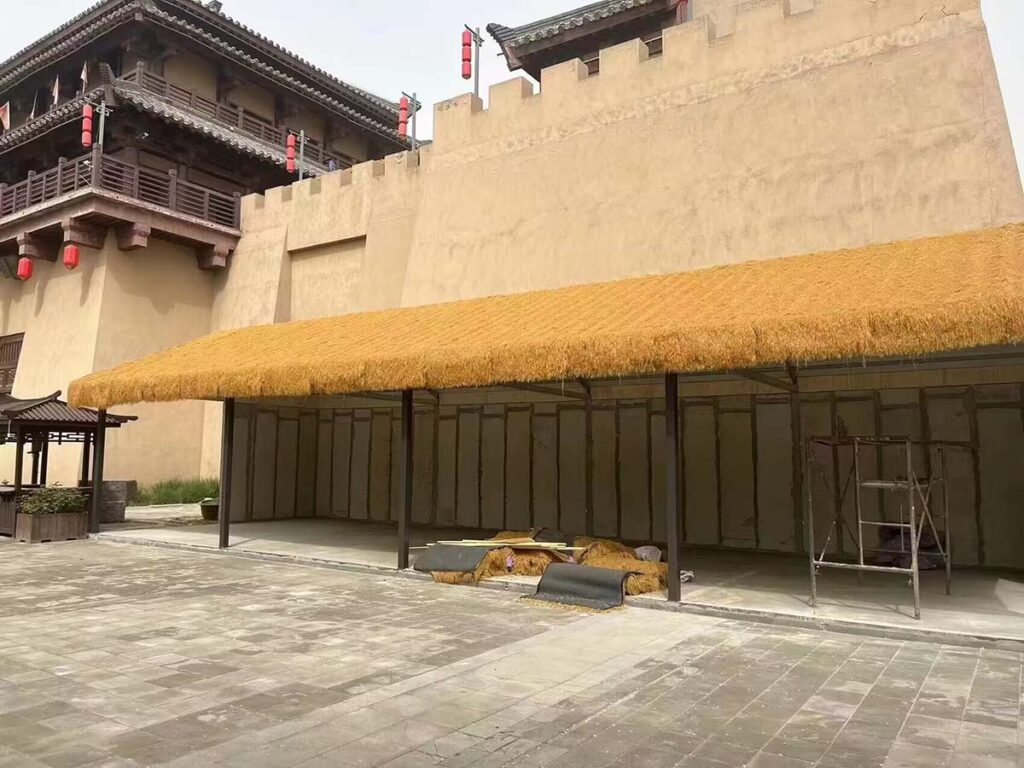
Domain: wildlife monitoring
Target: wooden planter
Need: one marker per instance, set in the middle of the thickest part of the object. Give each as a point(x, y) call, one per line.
point(34, 529)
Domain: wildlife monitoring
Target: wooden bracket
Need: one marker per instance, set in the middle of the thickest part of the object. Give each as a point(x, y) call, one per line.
point(36, 247)
point(83, 233)
point(132, 237)
point(213, 256)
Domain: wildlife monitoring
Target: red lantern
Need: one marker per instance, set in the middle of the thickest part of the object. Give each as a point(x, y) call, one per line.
point(71, 256)
point(403, 116)
point(467, 55)
point(290, 153)
point(24, 268)
point(87, 126)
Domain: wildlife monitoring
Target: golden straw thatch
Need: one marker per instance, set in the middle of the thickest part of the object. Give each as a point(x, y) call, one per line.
point(908, 298)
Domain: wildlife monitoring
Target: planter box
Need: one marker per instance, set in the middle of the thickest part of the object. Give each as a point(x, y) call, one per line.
point(34, 529)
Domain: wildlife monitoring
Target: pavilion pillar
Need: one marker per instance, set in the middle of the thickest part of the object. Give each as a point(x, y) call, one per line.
point(405, 480)
point(97, 471)
point(673, 484)
point(44, 462)
point(227, 443)
point(83, 481)
point(36, 451)
point(19, 462)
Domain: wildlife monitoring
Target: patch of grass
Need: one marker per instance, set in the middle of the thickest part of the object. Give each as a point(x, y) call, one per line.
point(178, 491)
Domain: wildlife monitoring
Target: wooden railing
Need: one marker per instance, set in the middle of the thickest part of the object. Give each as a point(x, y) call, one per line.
point(10, 353)
point(98, 171)
point(230, 116)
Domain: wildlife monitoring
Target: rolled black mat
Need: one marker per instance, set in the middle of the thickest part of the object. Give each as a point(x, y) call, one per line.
point(446, 557)
point(582, 585)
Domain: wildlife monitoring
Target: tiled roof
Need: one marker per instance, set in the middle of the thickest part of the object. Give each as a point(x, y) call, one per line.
point(116, 12)
point(51, 410)
point(68, 112)
point(514, 37)
point(160, 108)
point(343, 110)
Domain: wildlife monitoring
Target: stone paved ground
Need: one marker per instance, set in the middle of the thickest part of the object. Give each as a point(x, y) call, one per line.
point(123, 656)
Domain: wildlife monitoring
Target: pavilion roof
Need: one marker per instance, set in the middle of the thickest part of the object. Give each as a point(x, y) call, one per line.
point(904, 299)
point(52, 411)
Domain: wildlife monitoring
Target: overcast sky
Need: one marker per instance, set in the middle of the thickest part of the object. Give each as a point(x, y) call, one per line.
point(414, 46)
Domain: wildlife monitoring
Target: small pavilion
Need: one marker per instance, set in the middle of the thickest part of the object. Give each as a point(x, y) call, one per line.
point(36, 424)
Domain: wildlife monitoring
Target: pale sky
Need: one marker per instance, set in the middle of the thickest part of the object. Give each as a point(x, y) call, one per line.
point(414, 46)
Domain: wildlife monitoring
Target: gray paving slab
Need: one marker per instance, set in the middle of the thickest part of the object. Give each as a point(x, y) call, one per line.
point(117, 655)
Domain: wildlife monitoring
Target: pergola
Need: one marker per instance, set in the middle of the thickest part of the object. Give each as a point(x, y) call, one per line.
point(40, 422)
point(909, 300)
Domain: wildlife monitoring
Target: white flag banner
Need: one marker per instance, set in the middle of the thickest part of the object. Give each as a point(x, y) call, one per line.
point(35, 101)
point(56, 91)
point(5, 116)
point(85, 77)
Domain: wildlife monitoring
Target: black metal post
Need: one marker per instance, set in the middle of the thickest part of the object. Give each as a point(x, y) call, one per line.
point(227, 443)
point(405, 480)
point(673, 484)
point(97, 471)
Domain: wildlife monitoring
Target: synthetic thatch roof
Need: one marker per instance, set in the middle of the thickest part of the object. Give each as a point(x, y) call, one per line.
point(901, 299)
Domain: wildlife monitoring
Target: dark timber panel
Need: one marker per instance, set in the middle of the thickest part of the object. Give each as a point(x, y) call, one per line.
point(264, 465)
point(324, 460)
point(305, 499)
point(287, 468)
point(380, 466)
point(517, 470)
point(572, 474)
point(341, 464)
point(360, 470)
point(492, 466)
point(468, 494)
point(606, 508)
point(545, 466)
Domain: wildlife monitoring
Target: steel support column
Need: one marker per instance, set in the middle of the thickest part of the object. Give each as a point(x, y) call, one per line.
point(98, 454)
point(673, 486)
point(227, 443)
point(405, 480)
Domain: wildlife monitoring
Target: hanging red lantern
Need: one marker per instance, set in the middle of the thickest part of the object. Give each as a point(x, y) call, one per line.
point(403, 116)
point(467, 55)
point(24, 268)
point(290, 153)
point(87, 126)
point(71, 256)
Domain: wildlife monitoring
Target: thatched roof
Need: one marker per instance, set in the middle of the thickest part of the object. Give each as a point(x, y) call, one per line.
point(901, 299)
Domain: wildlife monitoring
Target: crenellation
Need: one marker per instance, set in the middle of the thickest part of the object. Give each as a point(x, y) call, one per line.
point(560, 81)
point(623, 59)
point(508, 96)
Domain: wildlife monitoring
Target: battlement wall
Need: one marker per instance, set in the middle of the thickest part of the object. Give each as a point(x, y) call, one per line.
point(765, 128)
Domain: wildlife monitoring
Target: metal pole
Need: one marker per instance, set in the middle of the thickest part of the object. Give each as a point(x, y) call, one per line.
point(302, 153)
point(809, 507)
point(672, 485)
point(856, 501)
point(227, 443)
point(103, 122)
point(97, 470)
point(415, 110)
point(86, 442)
point(945, 521)
point(911, 487)
point(405, 480)
point(478, 41)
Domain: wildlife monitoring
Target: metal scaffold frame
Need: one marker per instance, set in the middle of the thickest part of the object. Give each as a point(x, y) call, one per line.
point(914, 493)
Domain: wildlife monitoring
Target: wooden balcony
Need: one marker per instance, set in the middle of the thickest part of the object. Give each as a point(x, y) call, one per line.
point(235, 118)
point(81, 198)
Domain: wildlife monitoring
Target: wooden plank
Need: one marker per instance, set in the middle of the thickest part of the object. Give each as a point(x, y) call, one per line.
point(341, 464)
point(572, 475)
point(517, 470)
point(545, 466)
point(468, 492)
point(492, 463)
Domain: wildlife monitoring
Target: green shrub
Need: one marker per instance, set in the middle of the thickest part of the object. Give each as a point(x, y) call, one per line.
point(53, 501)
point(178, 491)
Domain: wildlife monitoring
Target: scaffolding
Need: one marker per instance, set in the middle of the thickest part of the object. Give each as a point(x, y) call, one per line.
point(914, 495)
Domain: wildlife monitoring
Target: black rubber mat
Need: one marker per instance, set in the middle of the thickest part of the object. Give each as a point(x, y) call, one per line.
point(445, 557)
point(551, 536)
point(582, 585)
